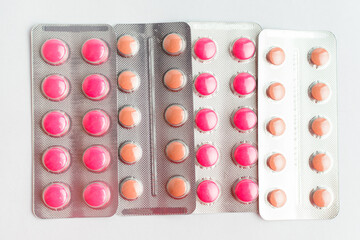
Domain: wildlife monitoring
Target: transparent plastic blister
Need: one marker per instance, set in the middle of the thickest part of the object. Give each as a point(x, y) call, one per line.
point(74, 121)
point(297, 113)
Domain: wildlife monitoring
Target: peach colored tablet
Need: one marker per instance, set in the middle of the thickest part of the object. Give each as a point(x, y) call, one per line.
point(176, 151)
point(127, 46)
point(276, 162)
point(276, 127)
point(128, 81)
point(178, 187)
point(130, 152)
point(129, 117)
point(319, 57)
point(173, 44)
point(131, 189)
point(320, 126)
point(276, 91)
point(174, 80)
point(321, 198)
point(277, 198)
point(320, 92)
point(321, 162)
point(276, 56)
point(175, 115)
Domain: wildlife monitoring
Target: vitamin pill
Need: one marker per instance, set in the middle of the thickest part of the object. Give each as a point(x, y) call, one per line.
point(320, 92)
point(56, 196)
point(205, 49)
point(178, 187)
point(173, 44)
point(205, 84)
point(277, 198)
point(206, 120)
point(128, 81)
point(208, 191)
point(320, 162)
point(243, 49)
point(245, 155)
point(175, 115)
point(244, 119)
point(246, 190)
point(56, 123)
point(207, 155)
point(276, 56)
point(97, 195)
point(320, 126)
point(95, 51)
point(96, 122)
point(321, 198)
point(276, 91)
point(131, 189)
point(129, 117)
point(55, 87)
point(95, 87)
point(319, 57)
point(176, 151)
point(174, 80)
point(127, 46)
point(276, 162)
point(96, 158)
point(56, 159)
point(130, 152)
point(276, 127)
point(243, 84)
point(54, 52)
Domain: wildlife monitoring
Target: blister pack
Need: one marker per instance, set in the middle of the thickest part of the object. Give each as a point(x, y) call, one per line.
point(74, 121)
point(224, 89)
point(297, 113)
point(155, 119)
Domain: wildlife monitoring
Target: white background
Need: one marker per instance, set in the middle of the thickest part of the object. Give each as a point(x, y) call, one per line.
point(16, 19)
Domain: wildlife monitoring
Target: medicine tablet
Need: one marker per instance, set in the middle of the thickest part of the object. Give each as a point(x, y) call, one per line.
point(56, 196)
point(173, 44)
point(128, 81)
point(127, 46)
point(95, 51)
point(320, 92)
point(175, 115)
point(55, 87)
point(129, 117)
point(178, 187)
point(56, 159)
point(97, 195)
point(320, 126)
point(174, 80)
point(54, 52)
point(56, 123)
point(205, 84)
point(96, 158)
point(243, 84)
point(204, 49)
point(131, 189)
point(276, 162)
point(276, 127)
point(321, 198)
point(319, 57)
point(95, 87)
point(244, 119)
point(207, 155)
point(277, 198)
point(245, 155)
point(276, 91)
point(176, 151)
point(130, 153)
point(208, 191)
point(246, 190)
point(320, 162)
point(243, 49)
point(206, 120)
point(276, 56)
point(96, 122)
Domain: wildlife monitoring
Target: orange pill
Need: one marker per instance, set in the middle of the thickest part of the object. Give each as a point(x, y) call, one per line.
point(276, 56)
point(320, 126)
point(127, 46)
point(320, 162)
point(131, 189)
point(276, 126)
point(319, 57)
point(277, 198)
point(176, 151)
point(173, 44)
point(128, 81)
point(276, 162)
point(276, 91)
point(321, 198)
point(175, 115)
point(178, 187)
point(320, 92)
point(130, 152)
point(174, 80)
point(129, 117)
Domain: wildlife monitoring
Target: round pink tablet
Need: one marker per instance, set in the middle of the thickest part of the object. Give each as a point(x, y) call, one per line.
point(96, 158)
point(56, 123)
point(95, 51)
point(56, 159)
point(205, 84)
point(245, 155)
point(244, 119)
point(246, 190)
point(97, 195)
point(244, 84)
point(243, 49)
point(95, 87)
point(207, 155)
point(56, 196)
point(96, 122)
point(206, 120)
point(54, 52)
point(208, 191)
point(55, 87)
point(205, 49)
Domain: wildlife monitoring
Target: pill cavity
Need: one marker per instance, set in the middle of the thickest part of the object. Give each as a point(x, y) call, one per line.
point(54, 52)
point(245, 190)
point(96, 122)
point(243, 49)
point(276, 162)
point(206, 120)
point(127, 46)
point(320, 92)
point(56, 159)
point(55, 87)
point(321, 198)
point(174, 80)
point(95, 87)
point(130, 152)
point(95, 51)
point(96, 158)
point(178, 187)
point(208, 191)
point(276, 91)
point(204, 49)
point(56, 123)
point(56, 196)
point(129, 117)
point(128, 81)
point(173, 44)
point(245, 155)
point(276, 56)
point(205, 84)
point(319, 57)
point(320, 126)
point(276, 127)
point(131, 189)
point(320, 162)
point(277, 198)
point(97, 195)
point(244, 119)
point(176, 151)
point(207, 155)
point(243, 84)
point(175, 115)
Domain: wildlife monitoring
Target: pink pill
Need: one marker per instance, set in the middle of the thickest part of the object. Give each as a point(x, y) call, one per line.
point(97, 195)
point(56, 196)
point(56, 159)
point(246, 190)
point(96, 158)
point(96, 122)
point(54, 52)
point(56, 123)
point(205, 49)
point(207, 155)
point(244, 119)
point(208, 191)
point(206, 120)
point(243, 84)
point(245, 155)
point(243, 49)
point(55, 87)
point(95, 51)
point(205, 84)
point(95, 87)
